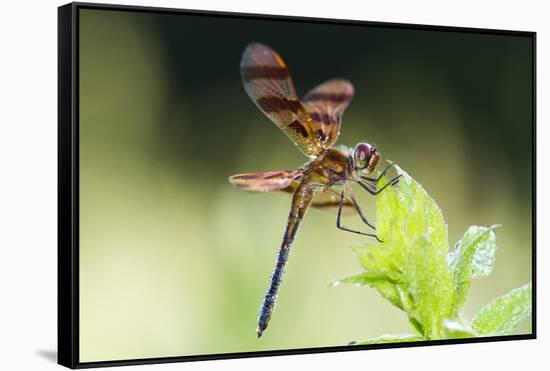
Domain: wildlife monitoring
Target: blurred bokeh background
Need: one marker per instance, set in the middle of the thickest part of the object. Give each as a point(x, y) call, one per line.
point(174, 261)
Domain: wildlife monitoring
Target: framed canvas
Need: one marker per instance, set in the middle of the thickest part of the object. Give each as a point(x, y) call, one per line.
point(396, 162)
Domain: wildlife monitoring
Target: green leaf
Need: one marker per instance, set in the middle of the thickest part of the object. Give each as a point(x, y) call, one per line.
point(378, 280)
point(415, 233)
point(409, 268)
point(416, 325)
point(398, 338)
point(407, 212)
point(473, 257)
point(414, 270)
point(377, 258)
point(382, 272)
point(456, 330)
point(503, 315)
point(430, 287)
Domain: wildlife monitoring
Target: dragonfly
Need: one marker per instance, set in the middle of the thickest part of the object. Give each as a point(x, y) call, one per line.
point(313, 125)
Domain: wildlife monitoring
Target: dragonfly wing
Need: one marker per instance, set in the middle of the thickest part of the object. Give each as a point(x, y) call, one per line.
point(267, 82)
point(326, 104)
point(265, 181)
point(326, 199)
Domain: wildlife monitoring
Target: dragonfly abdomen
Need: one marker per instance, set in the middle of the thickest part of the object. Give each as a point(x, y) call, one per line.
point(300, 201)
point(271, 295)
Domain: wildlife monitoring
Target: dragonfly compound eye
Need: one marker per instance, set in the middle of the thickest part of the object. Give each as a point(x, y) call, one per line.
point(361, 155)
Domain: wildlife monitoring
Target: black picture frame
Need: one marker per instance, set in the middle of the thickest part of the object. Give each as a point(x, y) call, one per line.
point(68, 185)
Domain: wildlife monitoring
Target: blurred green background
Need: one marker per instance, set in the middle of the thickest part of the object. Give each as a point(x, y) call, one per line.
point(175, 261)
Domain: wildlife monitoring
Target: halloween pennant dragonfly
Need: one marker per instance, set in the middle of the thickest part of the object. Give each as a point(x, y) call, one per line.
point(313, 124)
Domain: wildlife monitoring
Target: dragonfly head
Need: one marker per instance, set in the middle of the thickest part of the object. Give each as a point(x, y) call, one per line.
point(365, 157)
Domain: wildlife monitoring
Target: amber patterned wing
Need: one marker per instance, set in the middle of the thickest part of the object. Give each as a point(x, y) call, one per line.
point(268, 83)
point(326, 104)
point(326, 199)
point(265, 181)
point(330, 200)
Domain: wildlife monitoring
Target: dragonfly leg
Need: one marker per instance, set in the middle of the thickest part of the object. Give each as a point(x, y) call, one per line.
point(339, 221)
point(363, 217)
point(373, 191)
point(376, 180)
